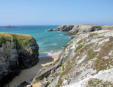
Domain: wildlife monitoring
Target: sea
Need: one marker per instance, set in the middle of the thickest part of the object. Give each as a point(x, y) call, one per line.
point(49, 42)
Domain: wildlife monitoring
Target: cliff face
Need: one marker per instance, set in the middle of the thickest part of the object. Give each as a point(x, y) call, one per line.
point(86, 61)
point(16, 52)
point(85, 28)
point(77, 28)
point(64, 28)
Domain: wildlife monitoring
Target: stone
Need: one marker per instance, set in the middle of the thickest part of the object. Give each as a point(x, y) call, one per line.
point(50, 30)
point(64, 28)
point(87, 61)
point(84, 28)
point(81, 28)
point(17, 51)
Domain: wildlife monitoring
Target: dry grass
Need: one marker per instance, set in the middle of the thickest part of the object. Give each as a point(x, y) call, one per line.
point(99, 83)
point(20, 39)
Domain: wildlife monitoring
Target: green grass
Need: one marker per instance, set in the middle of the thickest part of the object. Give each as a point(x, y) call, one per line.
point(48, 83)
point(63, 67)
point(5, 37)
point(19, 39)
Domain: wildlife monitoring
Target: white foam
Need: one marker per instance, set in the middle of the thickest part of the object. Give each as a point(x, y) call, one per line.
point(54, 53)
point(51, 53)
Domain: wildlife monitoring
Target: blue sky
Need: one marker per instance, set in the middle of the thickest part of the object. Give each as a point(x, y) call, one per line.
point(44, 12)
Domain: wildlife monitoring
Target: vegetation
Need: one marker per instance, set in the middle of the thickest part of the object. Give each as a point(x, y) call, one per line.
point(79, 47)
point(99, 63)
point(48, 83)
point(5, 37)
point(23, 40)
point(20, 40)
point(99, 83)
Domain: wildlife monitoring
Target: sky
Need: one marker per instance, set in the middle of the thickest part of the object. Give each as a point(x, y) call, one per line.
point(56, 12)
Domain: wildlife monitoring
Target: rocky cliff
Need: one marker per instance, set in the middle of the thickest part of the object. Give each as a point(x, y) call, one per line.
point(80, 28)
point(86, 61)
point(64, 28)
point(17, 51)
point(85, 28)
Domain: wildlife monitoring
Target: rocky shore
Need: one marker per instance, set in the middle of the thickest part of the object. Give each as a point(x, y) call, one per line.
point(17, 52)
point(86, 61)
point(77, 28)
point(30, 73)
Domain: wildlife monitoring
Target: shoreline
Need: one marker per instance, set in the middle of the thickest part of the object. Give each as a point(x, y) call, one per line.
point(28, 74)
point(50, 54)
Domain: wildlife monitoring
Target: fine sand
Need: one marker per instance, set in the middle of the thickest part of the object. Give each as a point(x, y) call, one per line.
point(28, 74)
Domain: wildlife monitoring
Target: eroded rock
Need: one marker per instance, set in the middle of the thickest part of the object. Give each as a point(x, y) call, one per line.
point(64, 28)
point(16, 52)
point(82, 28)
point(86, 61)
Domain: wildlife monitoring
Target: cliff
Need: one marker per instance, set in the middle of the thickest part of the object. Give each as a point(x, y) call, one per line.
point(86, 61)
point(17, 51)
point(81, 28)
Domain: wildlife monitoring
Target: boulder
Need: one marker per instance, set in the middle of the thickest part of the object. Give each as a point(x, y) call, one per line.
point(17, 51)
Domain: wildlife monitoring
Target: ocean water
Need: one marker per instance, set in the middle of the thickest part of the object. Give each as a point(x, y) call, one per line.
point(47, 41)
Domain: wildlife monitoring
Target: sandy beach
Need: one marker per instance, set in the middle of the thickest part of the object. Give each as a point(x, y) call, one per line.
point(28, 74)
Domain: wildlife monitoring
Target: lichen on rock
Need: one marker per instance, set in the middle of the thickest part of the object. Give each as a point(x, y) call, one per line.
point(87, 56)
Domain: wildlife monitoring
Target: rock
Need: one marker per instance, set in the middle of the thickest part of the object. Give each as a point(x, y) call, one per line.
point(84, 28)
point(23, 84)
point(107, 27)
point(16, 52)
point(95, 28)
point(87, 61)
point(64, 28)
point(9, 26)
point(74, 29)
point(50, 30)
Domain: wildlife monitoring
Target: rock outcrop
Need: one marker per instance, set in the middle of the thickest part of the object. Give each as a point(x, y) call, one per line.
point(17, 51)
point(50, 30)
point(63, 28)
point(77, 28)
point(84, 28)
point(86, 61)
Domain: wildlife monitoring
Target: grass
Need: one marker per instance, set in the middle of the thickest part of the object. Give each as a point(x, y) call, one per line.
point(99, 83)
point(19, 39)
point(23, 40)
point(66, 57)
point(80, 41)
point(66, 70)
point(92, 35)
point(99, 63)
point(79, 47)
point(5, 37)
point(48, 83)
point(63, 67)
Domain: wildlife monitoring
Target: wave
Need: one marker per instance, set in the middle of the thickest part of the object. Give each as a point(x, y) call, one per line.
point(51, 53)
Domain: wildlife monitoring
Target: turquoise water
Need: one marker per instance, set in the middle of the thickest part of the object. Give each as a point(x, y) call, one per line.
point(47, 41)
